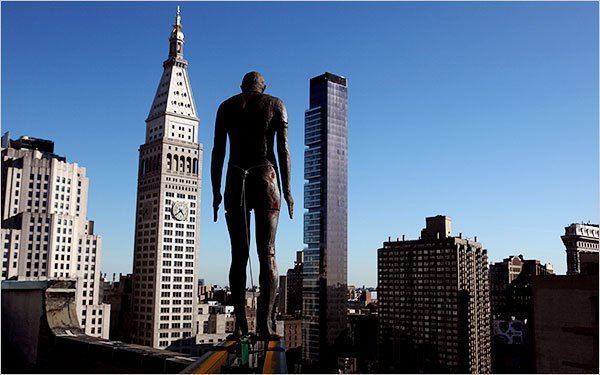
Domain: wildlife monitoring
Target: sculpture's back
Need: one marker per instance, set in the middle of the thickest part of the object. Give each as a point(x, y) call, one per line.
point(252, 121)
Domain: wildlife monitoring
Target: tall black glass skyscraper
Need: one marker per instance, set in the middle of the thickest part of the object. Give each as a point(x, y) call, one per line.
point(325, 221)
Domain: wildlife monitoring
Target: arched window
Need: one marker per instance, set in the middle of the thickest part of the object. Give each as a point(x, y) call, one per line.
point(176, 162)
point(195, 166)
point(188, 165)
point(182, 164)
point(169, 161)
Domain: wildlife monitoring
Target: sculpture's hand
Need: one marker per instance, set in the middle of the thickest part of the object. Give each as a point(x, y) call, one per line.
point(217, 198)
point(290, 203)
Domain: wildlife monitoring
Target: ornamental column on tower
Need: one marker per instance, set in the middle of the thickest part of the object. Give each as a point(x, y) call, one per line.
point(167, 232)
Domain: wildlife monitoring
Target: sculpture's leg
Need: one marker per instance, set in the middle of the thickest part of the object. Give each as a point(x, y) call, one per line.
point(266, 227)
point(240, 239)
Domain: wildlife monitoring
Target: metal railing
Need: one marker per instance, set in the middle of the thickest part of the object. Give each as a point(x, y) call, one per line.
point(266, 357)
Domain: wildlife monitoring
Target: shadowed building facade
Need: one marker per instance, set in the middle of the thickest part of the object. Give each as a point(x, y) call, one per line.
point(324, 293)
point(434, 310)
point(167, 229)
point(512, 313)
point(294, 287)
point(566, 322)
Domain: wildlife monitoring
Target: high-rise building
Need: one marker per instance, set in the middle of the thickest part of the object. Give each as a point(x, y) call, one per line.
point(578, 239)
point(294, 287)
point(512, 313)
point(434, 310)
point(167, 223)
point(325, 221)
point(45, 232)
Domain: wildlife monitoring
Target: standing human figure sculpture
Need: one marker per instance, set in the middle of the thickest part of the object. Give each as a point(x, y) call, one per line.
point(252, 120)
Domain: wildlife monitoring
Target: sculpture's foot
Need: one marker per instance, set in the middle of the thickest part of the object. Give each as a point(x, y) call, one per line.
point(240, 330)
point(234, 336)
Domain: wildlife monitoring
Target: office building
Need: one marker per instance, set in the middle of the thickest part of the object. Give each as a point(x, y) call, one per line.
point(325, 221)
point(433, 303)
point(167, 229)
point(45, 232)
point(580, 239)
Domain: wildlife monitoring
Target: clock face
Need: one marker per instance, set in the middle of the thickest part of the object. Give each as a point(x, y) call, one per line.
point(179, 210)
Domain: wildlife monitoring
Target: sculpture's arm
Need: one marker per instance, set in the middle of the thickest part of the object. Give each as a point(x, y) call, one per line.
point(283, 154)
point(217, 159)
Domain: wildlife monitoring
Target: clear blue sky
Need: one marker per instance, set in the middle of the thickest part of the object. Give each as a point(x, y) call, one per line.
point(486, 112)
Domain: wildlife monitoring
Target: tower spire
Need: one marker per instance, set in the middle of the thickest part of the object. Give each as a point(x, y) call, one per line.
point(178, 17)
point(174, 93)
point(176, 38)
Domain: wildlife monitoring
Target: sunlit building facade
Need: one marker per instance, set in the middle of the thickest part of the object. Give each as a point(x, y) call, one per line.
point(45, 232)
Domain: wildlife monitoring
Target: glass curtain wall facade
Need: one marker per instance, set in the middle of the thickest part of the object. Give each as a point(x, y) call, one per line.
point(325, 220)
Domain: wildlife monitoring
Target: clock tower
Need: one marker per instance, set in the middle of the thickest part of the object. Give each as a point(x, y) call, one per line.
point(167, 218)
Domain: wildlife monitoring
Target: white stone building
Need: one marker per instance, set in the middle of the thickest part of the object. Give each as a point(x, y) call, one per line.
point(167, 229)
point(580, 239)
point(45, 232)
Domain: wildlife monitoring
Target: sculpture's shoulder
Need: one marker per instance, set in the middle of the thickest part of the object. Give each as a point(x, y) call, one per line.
point(277, 108)
point(274, 101)
point(231, 102)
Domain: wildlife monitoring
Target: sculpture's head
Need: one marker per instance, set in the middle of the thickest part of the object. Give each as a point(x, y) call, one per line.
point(253, 81)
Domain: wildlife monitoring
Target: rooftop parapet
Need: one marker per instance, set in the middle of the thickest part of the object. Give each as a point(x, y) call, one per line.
point(41, 333)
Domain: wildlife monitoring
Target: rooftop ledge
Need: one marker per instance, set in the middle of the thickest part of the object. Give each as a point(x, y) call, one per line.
point(41, 333)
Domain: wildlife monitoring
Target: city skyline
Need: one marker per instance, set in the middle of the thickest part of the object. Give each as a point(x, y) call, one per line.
point(416, 170)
